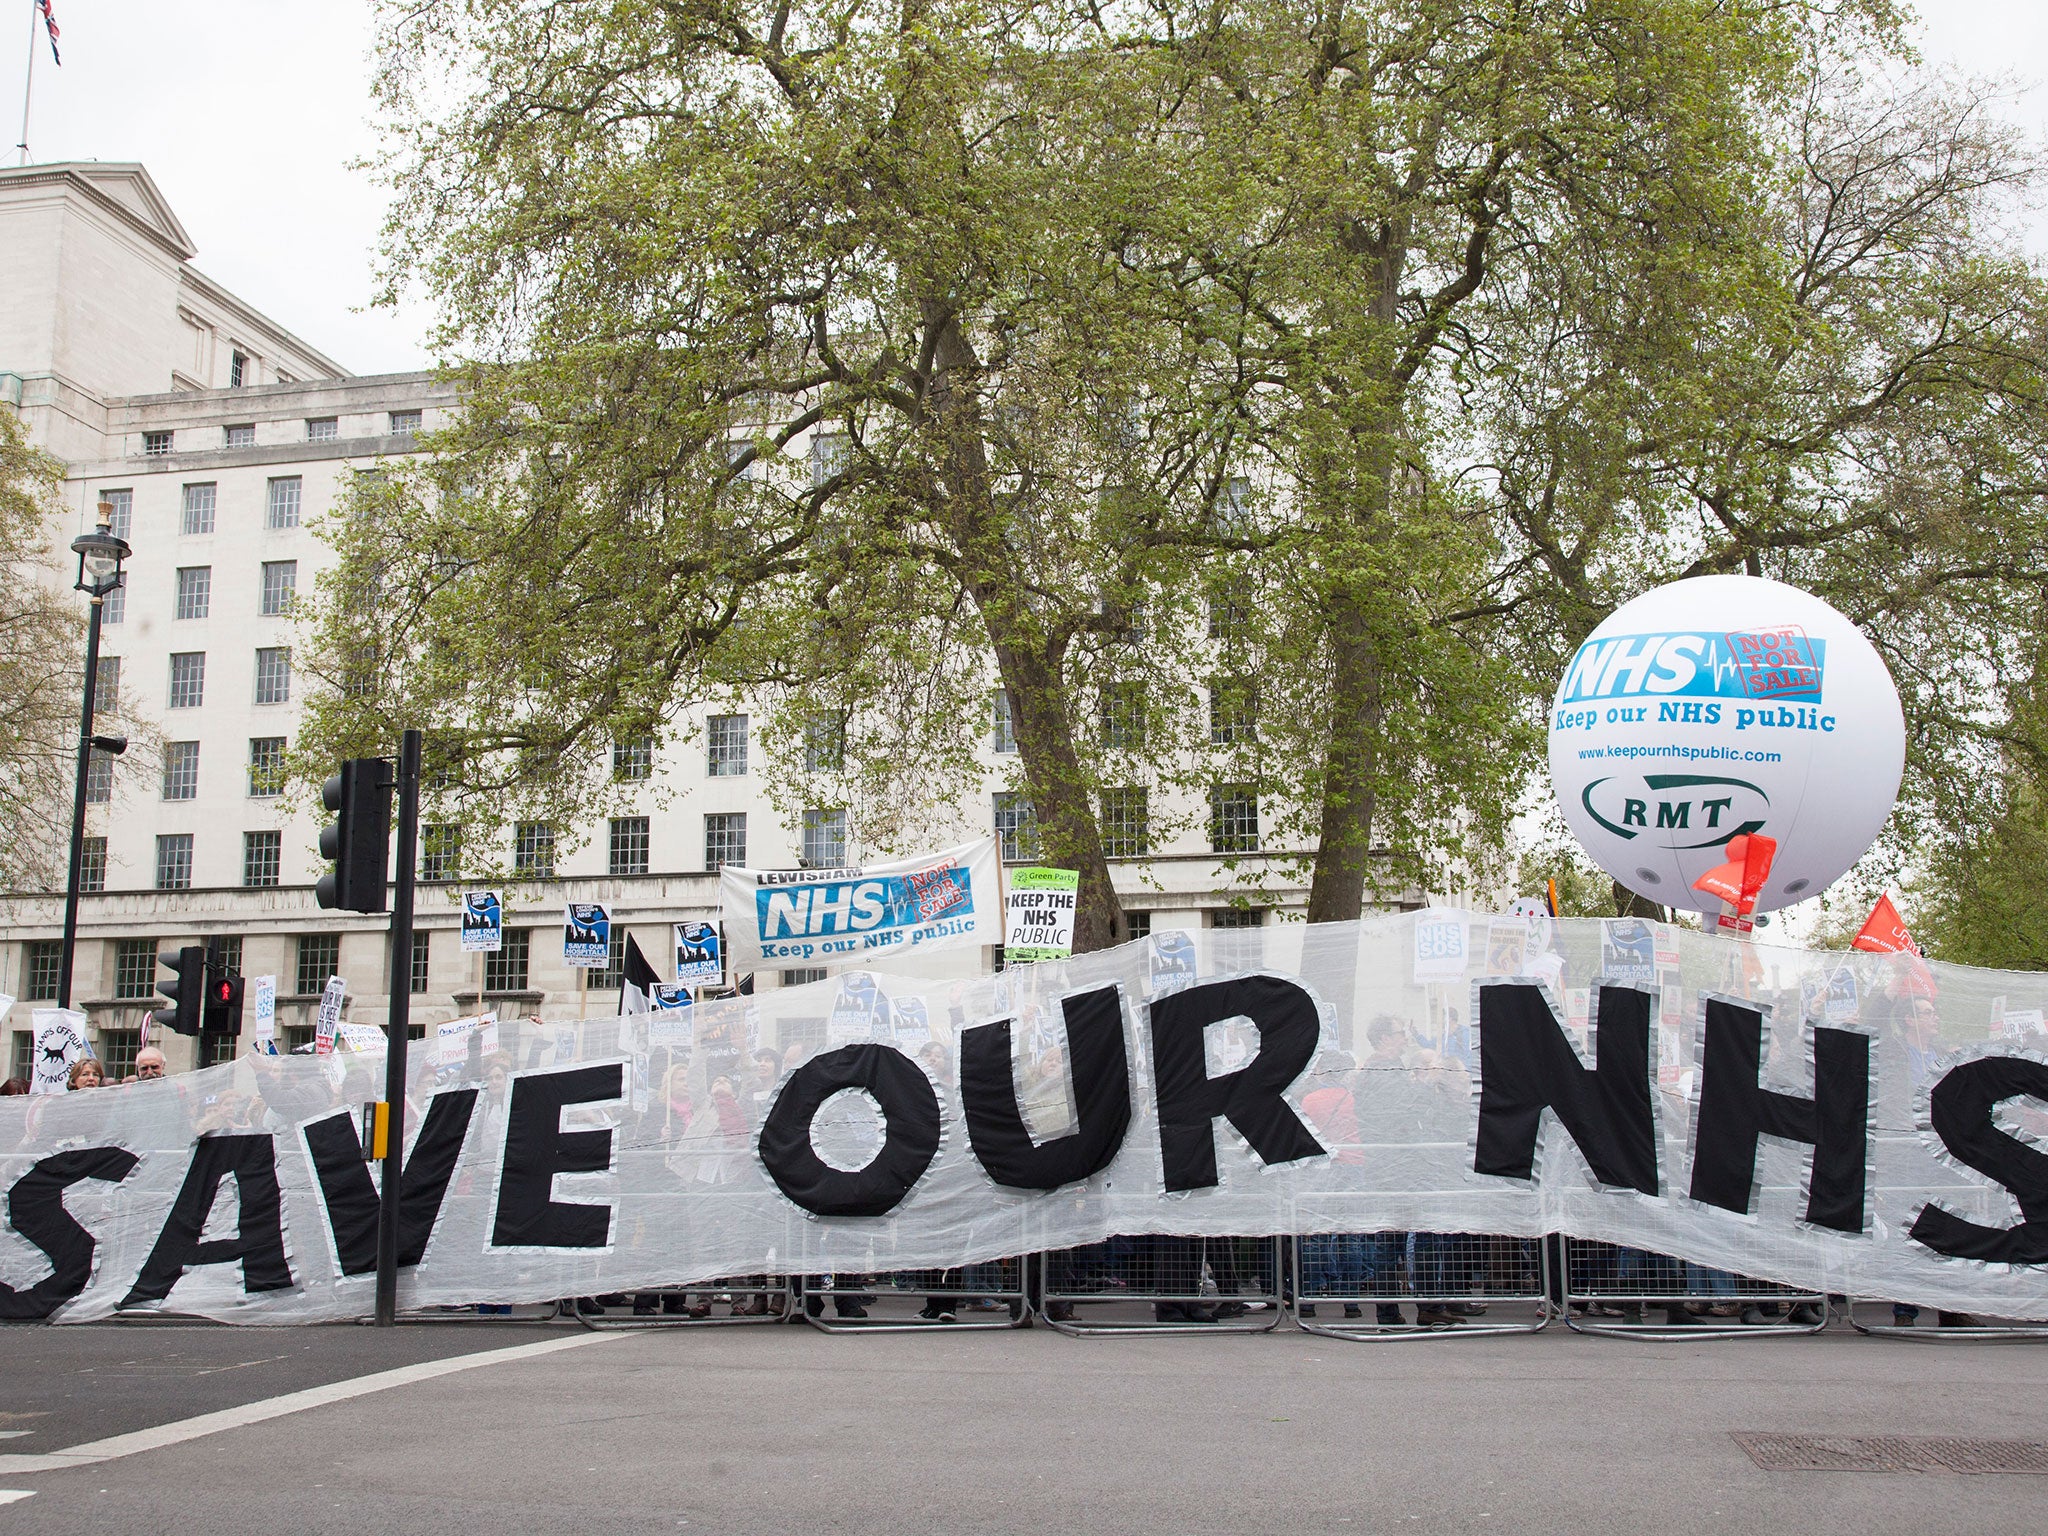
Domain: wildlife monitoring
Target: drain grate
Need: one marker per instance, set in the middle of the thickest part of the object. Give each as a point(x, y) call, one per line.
point(1890, 1453)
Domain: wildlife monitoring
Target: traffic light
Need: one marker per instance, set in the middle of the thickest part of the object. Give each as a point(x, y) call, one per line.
point(223, 1011)
point(186, 989)
point(359, 841)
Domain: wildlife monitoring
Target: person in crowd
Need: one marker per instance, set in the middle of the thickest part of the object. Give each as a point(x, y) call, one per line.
point(86, 1072)
point(14, 1087)
point(767, 1074)
point(1334, 1263)
point(149, 1065)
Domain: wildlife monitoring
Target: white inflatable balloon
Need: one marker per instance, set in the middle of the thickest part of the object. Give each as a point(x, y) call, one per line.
point(1718, 705)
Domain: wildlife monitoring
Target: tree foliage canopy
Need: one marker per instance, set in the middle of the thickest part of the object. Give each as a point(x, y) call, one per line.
point(1258, 394)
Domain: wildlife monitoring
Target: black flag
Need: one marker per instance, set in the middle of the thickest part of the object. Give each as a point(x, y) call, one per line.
point(636, 988)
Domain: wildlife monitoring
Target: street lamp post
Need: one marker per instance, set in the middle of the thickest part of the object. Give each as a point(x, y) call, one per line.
point(100, 555)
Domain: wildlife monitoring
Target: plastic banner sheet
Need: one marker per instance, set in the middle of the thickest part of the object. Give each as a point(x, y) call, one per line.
point(1827, 1121)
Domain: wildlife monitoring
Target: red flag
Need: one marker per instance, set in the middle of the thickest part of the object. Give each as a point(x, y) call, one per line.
point(1884, 931)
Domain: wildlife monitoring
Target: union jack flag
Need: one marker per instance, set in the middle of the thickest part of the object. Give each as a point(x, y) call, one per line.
point(50, 22)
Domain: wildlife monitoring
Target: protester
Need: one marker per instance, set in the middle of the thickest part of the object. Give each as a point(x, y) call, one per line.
point(149, 1065)
point(14, 1086)
point(86, 1072)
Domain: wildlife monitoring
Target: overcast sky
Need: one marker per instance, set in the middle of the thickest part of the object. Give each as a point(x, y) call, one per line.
point(248, 112)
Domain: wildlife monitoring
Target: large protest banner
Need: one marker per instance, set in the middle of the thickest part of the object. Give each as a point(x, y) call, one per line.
point(1880, 1140)
point(860, 914)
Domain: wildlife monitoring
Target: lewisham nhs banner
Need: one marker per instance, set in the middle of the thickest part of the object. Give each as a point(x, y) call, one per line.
point(863, 914)
point(1842, 1122)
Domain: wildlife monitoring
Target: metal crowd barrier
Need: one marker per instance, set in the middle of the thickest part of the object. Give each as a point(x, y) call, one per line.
point(990, 1294)
point(1185, 1284)
point(1930, 1325)
point(485, 1312)
point(1354, 1285)
point(715, 1303)
point(1612, 1290)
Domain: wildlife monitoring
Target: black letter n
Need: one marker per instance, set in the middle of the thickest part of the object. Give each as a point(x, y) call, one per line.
point(1526, 1065)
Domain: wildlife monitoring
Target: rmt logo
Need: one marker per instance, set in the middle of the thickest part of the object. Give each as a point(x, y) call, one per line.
point(1677, 810)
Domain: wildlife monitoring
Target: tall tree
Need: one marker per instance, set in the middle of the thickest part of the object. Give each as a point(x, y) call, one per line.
point(672, 242)
point(41, 646)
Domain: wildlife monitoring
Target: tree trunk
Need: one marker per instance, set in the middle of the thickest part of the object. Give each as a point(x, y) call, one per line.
point(1350, 766)
point(1027, 660)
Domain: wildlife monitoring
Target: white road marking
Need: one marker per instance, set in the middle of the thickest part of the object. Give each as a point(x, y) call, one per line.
point(14, 1434)
point(175, 1433)
point(15, 1495)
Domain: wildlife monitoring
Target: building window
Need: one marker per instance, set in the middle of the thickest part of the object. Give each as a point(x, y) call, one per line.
point(1237, 917)
point(266, 766)
point(725, 839)
point(505, 967)
point(181, 770)
point(1122, 707)
point(231, 952)
point(1233, 712)
point(533, 850)
point(195, 591)
point(628, 845)
point(825, 741)
point(188, 679)
point(1233, 819)
point(1006, 725)
point(106, 686)
point(238, 371)
point(607, 977)
point(824, 839)
point(197, 515)
point(1227, 620)
point(1137, 925)
point(633, 759)
point(99, 778)
point(1126, 824)
point(134, 969)
point(174, 861)
point(217, 1050)
point(726, 741)
point(828, 456)
point(322, 429)
point(114, 606)
point(802, 976)
point(41, 959)
point(262, 858)
point(118, 1049)
point(319, 958)
point(121, 505)
point(282, 509)
point(156, 445)
point(243, 436)
point(274, 674)
point(92, 866)
point(405, 423)
point(422, 954)
point(280, 585)
point(441, 850)
point(1016, 825)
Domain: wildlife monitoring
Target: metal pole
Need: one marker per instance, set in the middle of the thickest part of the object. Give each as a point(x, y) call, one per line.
point(28, 85)
point(397, 1021)
point(92, 678)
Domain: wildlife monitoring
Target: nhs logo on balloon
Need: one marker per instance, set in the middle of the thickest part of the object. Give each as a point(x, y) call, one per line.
point(1784, 663)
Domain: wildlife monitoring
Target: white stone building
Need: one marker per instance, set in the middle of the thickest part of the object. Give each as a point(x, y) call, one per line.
point(220, 437)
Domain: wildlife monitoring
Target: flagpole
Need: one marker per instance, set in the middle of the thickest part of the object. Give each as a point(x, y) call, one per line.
point(29, 80)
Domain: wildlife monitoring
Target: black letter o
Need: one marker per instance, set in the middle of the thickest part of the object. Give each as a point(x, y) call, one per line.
point(910, 1120)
